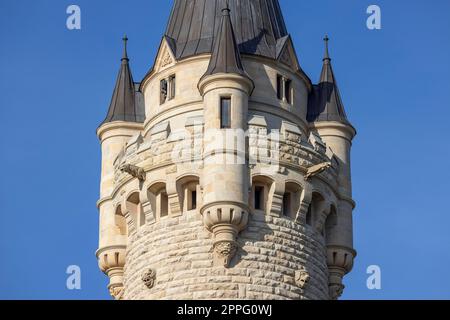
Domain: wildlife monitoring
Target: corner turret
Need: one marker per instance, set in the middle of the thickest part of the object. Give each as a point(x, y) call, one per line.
point(124, 120)
point(328, 118)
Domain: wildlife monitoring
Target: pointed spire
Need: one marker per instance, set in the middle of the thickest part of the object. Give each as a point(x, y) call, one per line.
point(226, 57)
point(125, 106)
point(125, 53)
point(327, 54)
point(325, 103)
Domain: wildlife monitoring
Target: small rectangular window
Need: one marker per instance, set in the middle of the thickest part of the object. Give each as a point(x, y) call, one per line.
point(288, 91)
point(259, 196)
point(280, 87)
point(309, 216)
point(225, 113)
point(172, 87)
point(164, 205)
point(287, 204)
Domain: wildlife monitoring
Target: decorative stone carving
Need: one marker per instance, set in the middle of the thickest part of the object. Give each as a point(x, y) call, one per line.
point(317, 169)
point(340, 262)
point(111, 261)
point(116, 292)
point(224, 252)
point(335, 291)
point(302, 278)
point(317, 143)
point(225, 221)
point(166, 60)
point(134, 171)
point(149, 277)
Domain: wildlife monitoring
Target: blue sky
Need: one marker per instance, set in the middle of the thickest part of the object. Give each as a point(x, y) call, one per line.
point(56, 84)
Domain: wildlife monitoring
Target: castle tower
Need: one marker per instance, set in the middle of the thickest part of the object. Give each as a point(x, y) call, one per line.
point(226, 172)
point(123, 121)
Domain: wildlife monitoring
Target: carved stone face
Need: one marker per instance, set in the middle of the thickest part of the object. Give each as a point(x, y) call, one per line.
point(116, 292)
point(149, 277)
point(225, 251)
point(336, 291)
point(302, 278)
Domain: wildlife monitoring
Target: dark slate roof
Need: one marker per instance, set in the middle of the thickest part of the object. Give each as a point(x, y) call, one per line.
point(258, 26)
point(127, 103)
point(225, 57)
point(325, 103)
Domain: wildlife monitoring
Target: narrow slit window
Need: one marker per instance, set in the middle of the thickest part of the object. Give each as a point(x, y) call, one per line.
point(164, 205)
point(225, 113)
point(309, 216)
point(172, 87)
point(280, 87)
point(163, 91)
point(259, 198)
point(287, 204)
point(193, 200)
point(288, 91)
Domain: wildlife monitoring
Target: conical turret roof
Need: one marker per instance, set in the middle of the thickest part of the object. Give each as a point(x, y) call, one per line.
point(225, 57)
point(325, 103)
point(126, 104)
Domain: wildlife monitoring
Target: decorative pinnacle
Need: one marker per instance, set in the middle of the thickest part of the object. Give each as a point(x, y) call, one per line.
point(327, 55)
point(125, 54)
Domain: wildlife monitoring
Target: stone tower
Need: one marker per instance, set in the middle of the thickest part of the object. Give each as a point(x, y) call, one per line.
point(225, 171)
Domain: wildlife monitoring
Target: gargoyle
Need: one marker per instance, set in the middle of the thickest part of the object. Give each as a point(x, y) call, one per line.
point(317, 169)
point(134, 171)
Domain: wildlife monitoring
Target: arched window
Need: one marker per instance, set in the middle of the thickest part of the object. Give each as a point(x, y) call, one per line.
point(314, 209)
point(291, 200)
point(120, 222)
point(189, 193)
point(135, 209)
point(330, 223)
point(159, 200)
point(260, 196)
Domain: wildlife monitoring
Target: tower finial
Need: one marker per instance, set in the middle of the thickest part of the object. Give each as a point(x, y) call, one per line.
point(226, 10)
point(327, 54)
point(125, 54)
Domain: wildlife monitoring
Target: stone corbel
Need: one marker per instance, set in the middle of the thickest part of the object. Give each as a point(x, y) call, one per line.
point(340, 262)
point(111, 261)
point(225, 221)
